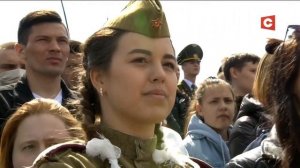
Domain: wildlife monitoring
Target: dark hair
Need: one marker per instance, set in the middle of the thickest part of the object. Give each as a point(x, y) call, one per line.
point(34, 18)
point(98, 51)
point(75, 47)
point(97, 54)
point(238, 61)
point(220, 70)
point(284, 73)
point(272, 45)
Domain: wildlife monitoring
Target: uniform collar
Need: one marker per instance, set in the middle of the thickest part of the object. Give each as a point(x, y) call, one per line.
point(131, 147)
point(189, 83)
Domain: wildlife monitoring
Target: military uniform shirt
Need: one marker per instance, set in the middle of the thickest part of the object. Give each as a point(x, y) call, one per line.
point(185, 89)
point(135, 153)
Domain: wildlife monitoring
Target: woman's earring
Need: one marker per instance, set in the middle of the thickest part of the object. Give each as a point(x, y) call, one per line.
point(101, 92)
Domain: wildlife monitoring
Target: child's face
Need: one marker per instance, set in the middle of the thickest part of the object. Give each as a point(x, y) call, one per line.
point(217, 107)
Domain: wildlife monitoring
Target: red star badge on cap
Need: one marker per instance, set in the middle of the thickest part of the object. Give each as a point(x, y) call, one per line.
point(156, 23)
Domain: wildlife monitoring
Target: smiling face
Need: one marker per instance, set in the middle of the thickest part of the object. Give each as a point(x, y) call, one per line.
point(35, 134)
point(217, 106)
point(47, 49)
point(140, 85)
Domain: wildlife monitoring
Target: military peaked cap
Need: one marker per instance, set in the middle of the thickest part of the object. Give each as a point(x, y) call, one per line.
point(190, 52)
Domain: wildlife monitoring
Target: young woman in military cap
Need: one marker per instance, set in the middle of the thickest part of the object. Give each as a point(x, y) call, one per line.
point(130, 87)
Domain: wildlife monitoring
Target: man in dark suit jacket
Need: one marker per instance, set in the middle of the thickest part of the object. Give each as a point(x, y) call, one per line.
point(43, 42)
point(189, 59)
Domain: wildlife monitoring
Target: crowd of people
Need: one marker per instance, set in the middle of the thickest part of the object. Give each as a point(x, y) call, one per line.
point(115, 100)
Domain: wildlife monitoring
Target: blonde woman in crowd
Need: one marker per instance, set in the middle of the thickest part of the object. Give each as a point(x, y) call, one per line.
point(209, 121)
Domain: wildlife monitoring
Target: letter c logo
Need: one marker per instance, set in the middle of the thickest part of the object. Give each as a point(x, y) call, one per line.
point(268, 22)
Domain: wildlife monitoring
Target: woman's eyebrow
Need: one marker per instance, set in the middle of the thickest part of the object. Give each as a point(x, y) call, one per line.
point(142, 51)
point(149, 53)
point(169, 56)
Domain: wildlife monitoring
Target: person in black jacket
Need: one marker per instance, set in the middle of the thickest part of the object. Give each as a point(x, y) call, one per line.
point(239, 70)
point(284, 87)
point(249, 124)
point(267, 155)
point(177, 117)
point(253, 118)
point(43, 42)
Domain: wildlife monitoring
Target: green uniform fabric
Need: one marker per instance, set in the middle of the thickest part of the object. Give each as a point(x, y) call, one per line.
point(177, 116)
point(144, 17)
point(135, 153)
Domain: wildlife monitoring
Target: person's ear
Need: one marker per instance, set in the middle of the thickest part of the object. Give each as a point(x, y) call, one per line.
point(199, 109)
point(234, 72)
point(20, 49)
point(97, 79)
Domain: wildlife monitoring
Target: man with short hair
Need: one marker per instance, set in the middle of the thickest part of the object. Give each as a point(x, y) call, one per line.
point(239, 70)
point(43, 42)
point(189, 59)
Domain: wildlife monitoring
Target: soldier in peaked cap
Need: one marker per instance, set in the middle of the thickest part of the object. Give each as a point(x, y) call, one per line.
point(189, 58)
point(130, 84)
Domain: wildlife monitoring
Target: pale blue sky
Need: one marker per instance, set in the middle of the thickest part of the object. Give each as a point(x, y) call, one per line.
point(221, 28)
